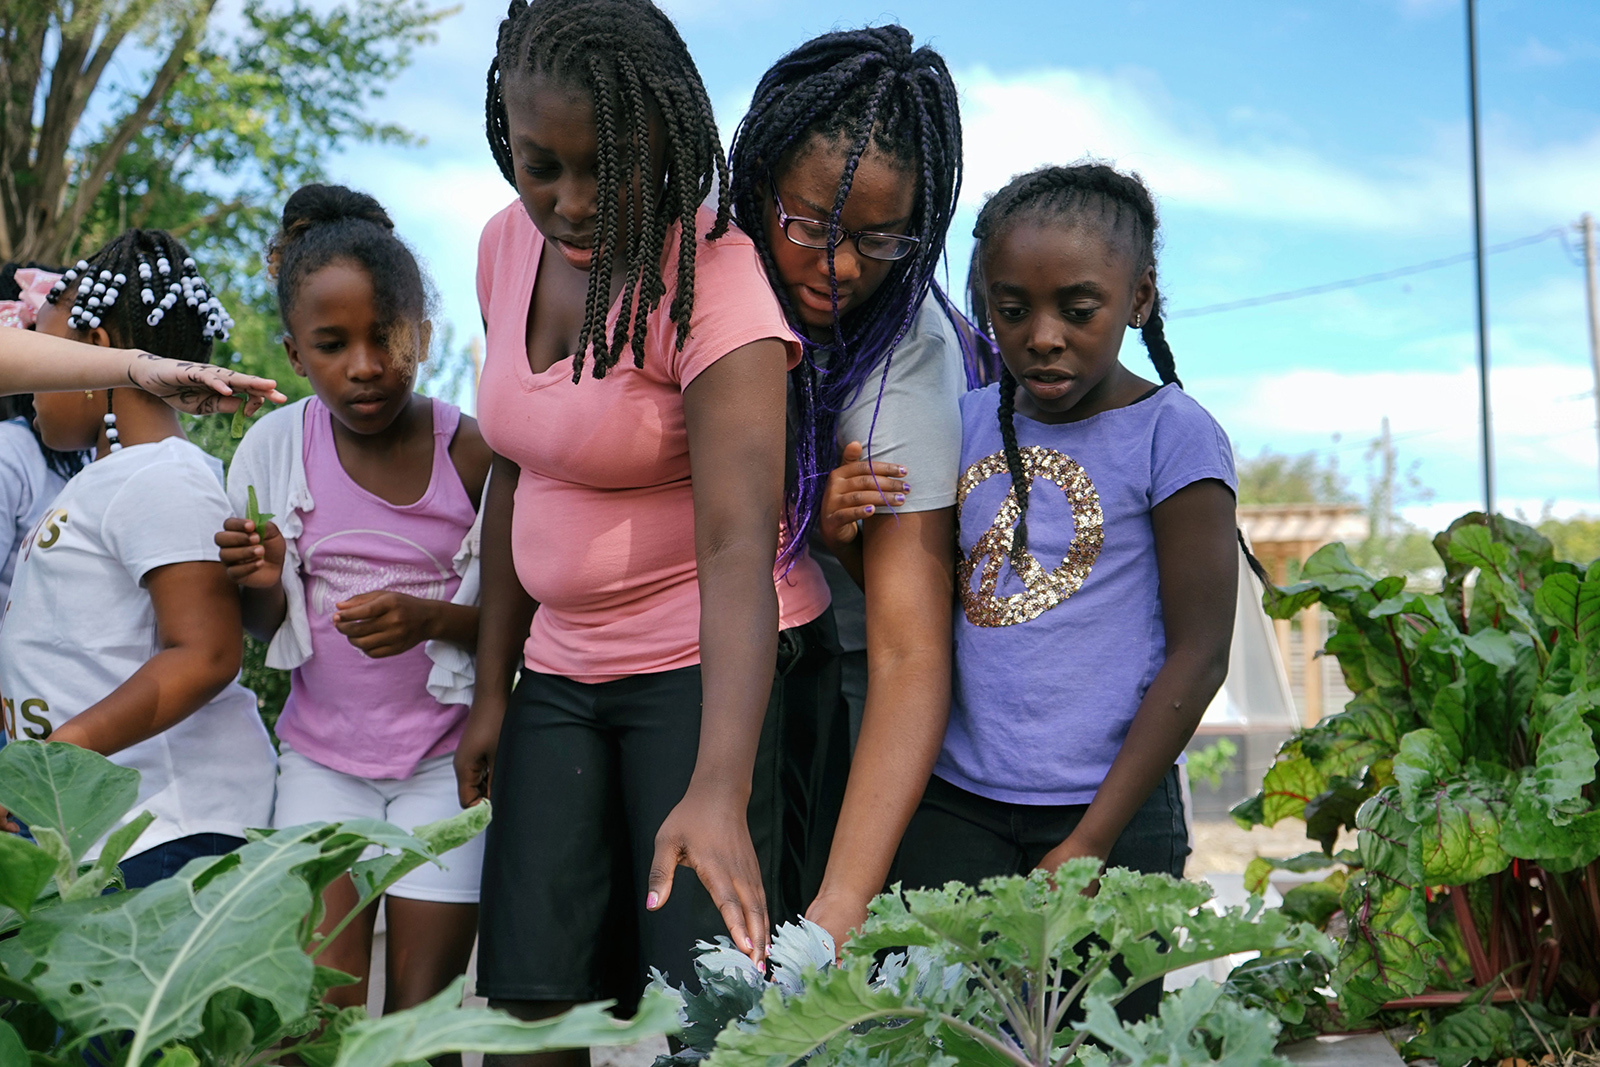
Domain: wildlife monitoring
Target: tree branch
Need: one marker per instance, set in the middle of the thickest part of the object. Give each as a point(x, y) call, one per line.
point(128, 128)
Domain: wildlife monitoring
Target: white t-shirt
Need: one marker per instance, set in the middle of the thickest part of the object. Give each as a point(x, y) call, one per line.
point(918, 427)
point(27, 486)
point(80, 623)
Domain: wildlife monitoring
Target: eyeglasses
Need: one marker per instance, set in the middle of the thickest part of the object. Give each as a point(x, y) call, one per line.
point(810, 233)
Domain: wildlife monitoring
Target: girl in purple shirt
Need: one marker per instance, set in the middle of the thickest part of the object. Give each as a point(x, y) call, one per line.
point(1096, 563)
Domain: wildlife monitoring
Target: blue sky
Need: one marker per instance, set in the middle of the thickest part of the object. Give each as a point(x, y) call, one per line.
point(1288, 144)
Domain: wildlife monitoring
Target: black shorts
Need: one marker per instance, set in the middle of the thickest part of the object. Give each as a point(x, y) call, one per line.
point(584, 776)
point(960, 836)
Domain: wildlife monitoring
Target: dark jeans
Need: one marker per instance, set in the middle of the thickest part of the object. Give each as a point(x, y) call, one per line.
point(167, 859)
point(960, 836)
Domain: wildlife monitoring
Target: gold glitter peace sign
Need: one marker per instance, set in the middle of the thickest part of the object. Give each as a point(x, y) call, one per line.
point(1044, 589)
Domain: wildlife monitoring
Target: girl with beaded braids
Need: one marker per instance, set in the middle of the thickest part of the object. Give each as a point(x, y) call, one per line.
point(633, 395)
point(122, 630)
point(846, 172)
point(1096, 560)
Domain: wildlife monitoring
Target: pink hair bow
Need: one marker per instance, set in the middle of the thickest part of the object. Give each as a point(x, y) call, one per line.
point(35, 285)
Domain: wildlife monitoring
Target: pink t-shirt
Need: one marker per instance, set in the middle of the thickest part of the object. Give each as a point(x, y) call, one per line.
point(603, 528)
point(373, 717)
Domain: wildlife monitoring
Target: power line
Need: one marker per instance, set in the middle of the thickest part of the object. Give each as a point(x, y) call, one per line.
point(1365, 279)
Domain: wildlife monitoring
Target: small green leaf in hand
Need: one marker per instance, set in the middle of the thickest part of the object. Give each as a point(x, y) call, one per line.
point(254, 513)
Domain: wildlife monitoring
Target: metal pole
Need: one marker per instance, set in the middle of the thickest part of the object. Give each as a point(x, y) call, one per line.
point(1477, 246)
point(1586, 224)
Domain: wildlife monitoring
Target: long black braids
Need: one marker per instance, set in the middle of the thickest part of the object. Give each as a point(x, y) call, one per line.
point(633, 63)
point(852, 89)
point(1088, 193)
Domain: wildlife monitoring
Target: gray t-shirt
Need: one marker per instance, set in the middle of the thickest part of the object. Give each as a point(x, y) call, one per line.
point(918, 427)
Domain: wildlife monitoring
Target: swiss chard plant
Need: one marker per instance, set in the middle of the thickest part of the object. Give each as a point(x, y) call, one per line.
point(1466, 765)
point(1019, 972)
point(216, 965)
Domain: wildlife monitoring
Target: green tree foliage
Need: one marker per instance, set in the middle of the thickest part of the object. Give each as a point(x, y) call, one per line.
point(1278, 478)
point(216, 965)
point(1016, 973)
point(1574, 538)
point(1466, 763)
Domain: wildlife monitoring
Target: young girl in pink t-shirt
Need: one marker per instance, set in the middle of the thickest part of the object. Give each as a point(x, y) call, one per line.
point(637, 601)
point(372, 491)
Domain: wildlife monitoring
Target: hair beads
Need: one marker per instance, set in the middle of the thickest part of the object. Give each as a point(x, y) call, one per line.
point(103, 284)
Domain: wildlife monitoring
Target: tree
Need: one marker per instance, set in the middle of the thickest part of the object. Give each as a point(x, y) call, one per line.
point(217, 125)
point(1278, 478)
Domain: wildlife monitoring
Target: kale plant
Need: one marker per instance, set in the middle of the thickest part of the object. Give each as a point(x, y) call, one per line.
point(1016, 973)
point(214, 966)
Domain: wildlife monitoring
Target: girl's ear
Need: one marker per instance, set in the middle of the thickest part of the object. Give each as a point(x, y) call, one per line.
point(1144, 298)
point(98, 337)
point(293, 352)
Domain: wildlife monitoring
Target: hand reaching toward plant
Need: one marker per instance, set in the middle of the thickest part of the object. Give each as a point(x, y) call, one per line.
point(199, 388)
point(839, 916)
point(709, 832)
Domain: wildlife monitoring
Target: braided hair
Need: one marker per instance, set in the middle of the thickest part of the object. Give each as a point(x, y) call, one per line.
point(630, 59)
point(144, 290)
point(323, 223)
point(854, 89)
point(20, 405)
point(1086, 194)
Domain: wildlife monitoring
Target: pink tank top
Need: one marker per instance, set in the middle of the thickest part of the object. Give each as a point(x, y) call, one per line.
point(373, 717)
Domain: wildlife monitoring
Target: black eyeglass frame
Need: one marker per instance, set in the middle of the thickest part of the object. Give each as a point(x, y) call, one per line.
point(837, 235)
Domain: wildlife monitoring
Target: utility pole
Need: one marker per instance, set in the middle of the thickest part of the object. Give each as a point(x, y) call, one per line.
point(1477, 245)
point(1586, 224)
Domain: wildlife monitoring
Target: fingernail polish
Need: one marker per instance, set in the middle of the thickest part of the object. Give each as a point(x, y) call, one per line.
point(652, 901)
point(899, 498)
point(902, 472)
point(869, 509)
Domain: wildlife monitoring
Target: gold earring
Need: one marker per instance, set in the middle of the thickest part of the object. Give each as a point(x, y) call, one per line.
point(1138, 320)
point(88, 394)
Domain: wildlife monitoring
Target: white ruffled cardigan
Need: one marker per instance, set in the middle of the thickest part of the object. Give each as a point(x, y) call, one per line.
point(272, 458)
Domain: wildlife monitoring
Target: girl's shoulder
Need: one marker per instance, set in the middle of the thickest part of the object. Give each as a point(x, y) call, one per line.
point(983, 398)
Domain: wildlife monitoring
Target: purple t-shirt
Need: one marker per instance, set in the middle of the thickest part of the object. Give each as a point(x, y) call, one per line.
point(1050, 671)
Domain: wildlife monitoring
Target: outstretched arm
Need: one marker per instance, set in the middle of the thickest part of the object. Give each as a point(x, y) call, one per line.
point(1198, 557)
point(909, 566)
point(735, 416)
point(32, 362)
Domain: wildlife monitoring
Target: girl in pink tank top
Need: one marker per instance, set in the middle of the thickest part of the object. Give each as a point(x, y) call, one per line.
point(360, 572)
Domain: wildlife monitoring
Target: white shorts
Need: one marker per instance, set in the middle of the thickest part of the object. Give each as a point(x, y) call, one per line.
point(310, 792)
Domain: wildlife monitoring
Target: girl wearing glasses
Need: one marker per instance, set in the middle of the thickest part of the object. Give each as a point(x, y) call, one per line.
point(845, 175)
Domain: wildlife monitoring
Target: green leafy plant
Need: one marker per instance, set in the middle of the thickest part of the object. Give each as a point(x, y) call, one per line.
point(1021, 971)
point(215, 965)
point(253, 510)
point(1209, 764)
point(1466, 764)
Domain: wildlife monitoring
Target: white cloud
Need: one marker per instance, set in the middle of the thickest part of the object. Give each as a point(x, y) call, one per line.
point(1128, 119)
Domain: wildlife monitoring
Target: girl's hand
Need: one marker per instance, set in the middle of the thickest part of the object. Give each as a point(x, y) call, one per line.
point(709, 831)
point(1071, 849)
point(856, 489)
point(199, 388)
point(385, 623)
point(475, 752)
point(254, 558)
point(838, 916)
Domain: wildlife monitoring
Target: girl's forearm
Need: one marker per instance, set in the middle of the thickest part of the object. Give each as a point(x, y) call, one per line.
point(32, 362)
point(738, 651)
point(909, 603)
point(264, 611)
point(456, 623)
point(505, 609)
point(172, 685)
point(1166, 720)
